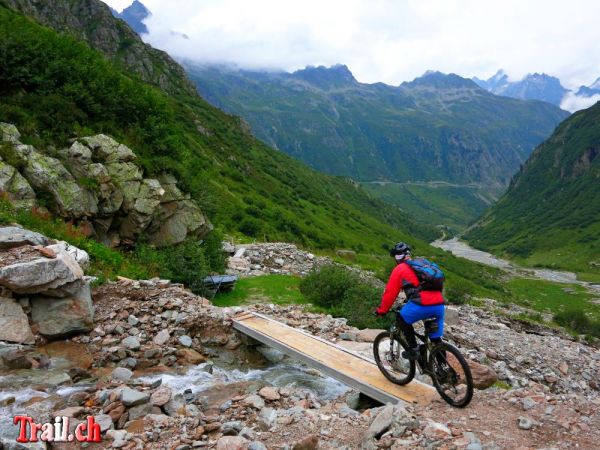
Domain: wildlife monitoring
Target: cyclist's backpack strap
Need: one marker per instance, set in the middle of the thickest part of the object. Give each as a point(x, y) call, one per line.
point(431, 277)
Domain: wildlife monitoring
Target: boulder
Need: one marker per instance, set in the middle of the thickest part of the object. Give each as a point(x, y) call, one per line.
point(9, 133)
point(131, 397)
point(12, 182)
point(56, 318)
point(174, 221)
point(382, 422)
point(17, 237)
point(190, 356)
point(14, 326)
point(483, 376)
point(107, 150)
point(41, 274)
point(80, 256)
point(269, 393)
point(48, 175)
point(161, 396)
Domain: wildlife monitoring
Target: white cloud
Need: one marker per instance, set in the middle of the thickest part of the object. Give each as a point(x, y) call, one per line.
point(572, 102)
point(386, 40)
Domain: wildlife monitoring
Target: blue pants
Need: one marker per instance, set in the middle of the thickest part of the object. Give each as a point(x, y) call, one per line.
point(411, 313)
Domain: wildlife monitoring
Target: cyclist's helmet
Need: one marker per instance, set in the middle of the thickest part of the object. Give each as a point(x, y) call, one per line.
point(400, 251)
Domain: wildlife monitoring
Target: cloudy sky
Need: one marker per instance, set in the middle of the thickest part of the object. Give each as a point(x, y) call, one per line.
point(386, 40)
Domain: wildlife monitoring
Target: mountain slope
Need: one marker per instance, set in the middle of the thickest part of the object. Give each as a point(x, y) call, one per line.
point(93, 22)
point(551, 213)
point(436, 128)
point(536, 86)
point(54, 88)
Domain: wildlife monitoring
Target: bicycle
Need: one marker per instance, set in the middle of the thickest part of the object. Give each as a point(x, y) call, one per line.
point(442, 361)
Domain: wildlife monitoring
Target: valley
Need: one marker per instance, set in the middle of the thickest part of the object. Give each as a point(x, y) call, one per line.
point(129, 177)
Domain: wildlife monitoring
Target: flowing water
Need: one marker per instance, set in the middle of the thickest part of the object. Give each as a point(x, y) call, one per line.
point(38, 391)
point(464, 250)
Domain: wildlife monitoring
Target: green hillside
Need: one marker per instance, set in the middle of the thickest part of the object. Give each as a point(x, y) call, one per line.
point(437, 203)
point(436, 128)
point(550, 215)
point(54, 87)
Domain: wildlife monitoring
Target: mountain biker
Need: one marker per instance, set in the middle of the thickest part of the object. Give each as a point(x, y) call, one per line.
point(420, 304)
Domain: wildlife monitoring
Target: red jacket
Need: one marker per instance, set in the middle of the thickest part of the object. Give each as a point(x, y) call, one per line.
point(403, 277)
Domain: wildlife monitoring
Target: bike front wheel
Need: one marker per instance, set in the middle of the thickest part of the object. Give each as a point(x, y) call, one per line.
point(451, 375)
point(387, 350)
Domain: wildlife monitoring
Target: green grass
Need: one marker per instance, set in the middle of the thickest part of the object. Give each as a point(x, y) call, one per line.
point(453, 207)
point(274, 288)
point(548, 297)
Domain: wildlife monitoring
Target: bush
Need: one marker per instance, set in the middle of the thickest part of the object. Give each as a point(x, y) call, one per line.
point(188, 262)
point(343, 294)
point(326, 286)
point(577, 320)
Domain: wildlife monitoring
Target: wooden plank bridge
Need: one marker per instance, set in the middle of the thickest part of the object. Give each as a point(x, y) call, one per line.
point(344, 365)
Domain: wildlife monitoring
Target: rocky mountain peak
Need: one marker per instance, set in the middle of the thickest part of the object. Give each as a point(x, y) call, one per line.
point(440, 80)
point(134, 15)
point(327, 77)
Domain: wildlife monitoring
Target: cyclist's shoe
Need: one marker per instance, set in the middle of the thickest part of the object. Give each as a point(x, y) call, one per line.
point(411, 353)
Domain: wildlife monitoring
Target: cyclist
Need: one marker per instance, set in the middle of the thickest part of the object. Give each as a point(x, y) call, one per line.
point(420, 304)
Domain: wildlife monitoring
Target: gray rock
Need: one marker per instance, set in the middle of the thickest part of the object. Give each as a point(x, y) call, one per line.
point(131, 343)
point(175, 406)
point(48, 175)
point(267, 418)
point(382, 422)
point(131, 397)
point(14, 325)
point(525, 423)
point(139, 411)
point(57, 318)
point(12, 182)
point(132, 320)
point(80, 256)
point(9, 133)
point(107, 150)
point(528, 403)
point(121, 374)
point(353, 399)
point(257, 446)
point(231, 428)
point(254, 401)
point(16, 237)
point(39, 275)
point(185, 340)
point(451, 316)
point(271, 354)
point(162, 337)
point(105, 422)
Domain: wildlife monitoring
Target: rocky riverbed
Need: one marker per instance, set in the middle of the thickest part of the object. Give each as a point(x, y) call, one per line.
point(161, 368)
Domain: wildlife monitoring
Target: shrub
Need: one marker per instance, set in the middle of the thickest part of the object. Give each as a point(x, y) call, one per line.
point(326, 286)
point(578, 321)
point(343, 294)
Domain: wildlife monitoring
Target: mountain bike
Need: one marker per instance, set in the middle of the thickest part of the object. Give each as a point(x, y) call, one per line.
point(442, 361)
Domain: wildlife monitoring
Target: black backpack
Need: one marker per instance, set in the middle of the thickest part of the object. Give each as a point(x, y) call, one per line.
point(431, 277)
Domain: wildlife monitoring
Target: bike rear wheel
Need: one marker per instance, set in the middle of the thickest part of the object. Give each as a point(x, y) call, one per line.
point(387, 350)
point(451, 375)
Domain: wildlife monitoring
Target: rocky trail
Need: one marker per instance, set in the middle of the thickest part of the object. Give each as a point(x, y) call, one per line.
point(161, 368)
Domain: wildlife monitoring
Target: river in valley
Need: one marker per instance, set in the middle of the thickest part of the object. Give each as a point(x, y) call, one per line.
point(464, 250)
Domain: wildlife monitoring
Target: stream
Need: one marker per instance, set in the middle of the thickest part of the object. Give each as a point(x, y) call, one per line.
point(38, 392)
point(464, 250)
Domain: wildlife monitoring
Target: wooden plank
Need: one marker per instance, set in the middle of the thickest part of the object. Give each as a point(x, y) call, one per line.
point(346, 366)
